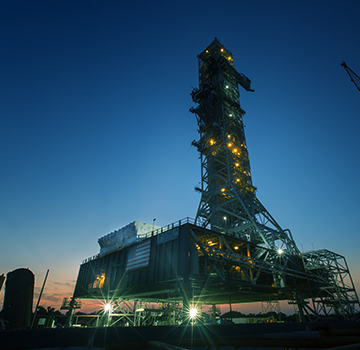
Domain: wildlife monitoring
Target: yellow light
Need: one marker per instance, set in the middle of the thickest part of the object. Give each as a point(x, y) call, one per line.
point(229, 58)
point(212, 142)
point(223, 189)
point(230, 144)
point(237, 164)
point(237, 180)
point(222, 50)
point(229, 136)
point(235, 150)
point(236, 247)
point(210, 242)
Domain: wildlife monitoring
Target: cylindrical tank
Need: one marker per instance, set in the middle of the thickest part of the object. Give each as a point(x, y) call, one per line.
point(18, 300)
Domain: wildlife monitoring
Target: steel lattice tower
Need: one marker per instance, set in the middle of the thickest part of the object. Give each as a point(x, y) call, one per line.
point(228, 201)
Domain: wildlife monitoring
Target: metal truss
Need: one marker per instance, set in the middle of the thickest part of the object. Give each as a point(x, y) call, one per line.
point(337, 294)
point(226, 258)
point(319, 283)
point(149, 315)
point(270, 306)
point(228, 202)
point(353, 76)
point(142, 313)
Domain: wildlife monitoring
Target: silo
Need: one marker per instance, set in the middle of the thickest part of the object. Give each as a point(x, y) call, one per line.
point(18, 300)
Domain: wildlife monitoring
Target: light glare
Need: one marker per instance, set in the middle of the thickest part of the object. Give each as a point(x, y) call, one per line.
point(192, 313)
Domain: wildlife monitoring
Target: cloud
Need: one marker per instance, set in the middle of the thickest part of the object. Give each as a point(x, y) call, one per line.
point(66, 284)
point(53, 297)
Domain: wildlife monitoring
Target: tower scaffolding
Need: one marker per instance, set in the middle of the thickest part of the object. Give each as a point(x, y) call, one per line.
point(228, 201)
point(229, 204)
point(338, 294)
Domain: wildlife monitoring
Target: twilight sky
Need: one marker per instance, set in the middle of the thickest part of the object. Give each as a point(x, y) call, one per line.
point(95, 130)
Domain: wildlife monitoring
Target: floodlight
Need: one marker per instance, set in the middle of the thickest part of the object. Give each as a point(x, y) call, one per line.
point(192, 313)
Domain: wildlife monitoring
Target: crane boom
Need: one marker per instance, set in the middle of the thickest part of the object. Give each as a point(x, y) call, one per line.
point(353, 76)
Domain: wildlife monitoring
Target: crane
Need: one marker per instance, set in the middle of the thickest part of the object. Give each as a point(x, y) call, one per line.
point(353, 76)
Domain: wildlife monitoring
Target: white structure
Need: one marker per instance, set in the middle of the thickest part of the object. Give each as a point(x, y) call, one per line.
point(131, 233)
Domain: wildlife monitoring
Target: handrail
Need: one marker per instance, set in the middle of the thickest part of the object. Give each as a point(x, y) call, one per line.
point(162, 229)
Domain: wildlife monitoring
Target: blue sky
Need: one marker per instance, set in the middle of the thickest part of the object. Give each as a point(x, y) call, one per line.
point(95, 130)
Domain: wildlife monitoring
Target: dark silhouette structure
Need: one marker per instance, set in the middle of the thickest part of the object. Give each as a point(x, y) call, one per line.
point(18, 300)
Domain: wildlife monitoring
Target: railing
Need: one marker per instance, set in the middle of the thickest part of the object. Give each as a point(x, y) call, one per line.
point(152, 233)
point(91, 258)
point(186, 220)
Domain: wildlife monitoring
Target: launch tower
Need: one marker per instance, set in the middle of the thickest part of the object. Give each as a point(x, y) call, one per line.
point(234, 251)
point(229, 204)
point(228, 201)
